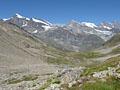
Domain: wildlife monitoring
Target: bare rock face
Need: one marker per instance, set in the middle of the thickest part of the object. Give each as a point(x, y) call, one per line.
point(69, 75)
point(65, 76)
point(66, 40)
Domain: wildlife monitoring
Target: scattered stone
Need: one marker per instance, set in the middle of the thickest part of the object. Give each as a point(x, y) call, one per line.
point(111, 71)
point(53, 87)
point(71, 84)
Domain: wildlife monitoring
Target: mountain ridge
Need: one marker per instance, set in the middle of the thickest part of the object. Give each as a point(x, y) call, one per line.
point(72, 36)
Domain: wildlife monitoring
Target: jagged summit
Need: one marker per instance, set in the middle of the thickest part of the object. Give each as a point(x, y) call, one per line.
point(16, 16)
point(20, 16)
point(88, 24)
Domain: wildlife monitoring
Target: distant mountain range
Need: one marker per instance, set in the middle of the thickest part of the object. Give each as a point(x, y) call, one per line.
point(74, 36)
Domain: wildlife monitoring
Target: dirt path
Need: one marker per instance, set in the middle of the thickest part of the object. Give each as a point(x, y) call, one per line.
point(101, 59)
point(107, 50)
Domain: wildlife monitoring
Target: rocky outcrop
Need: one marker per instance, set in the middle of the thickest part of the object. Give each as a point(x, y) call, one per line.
point(111, 71)
point(68, 76)
point(71, 77)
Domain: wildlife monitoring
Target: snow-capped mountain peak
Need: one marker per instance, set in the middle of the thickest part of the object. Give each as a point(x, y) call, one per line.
point(88, 24)
point(20, 16)
point(16, 16)
point(5, 19)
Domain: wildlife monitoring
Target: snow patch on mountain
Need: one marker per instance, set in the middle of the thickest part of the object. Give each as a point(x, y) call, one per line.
point(5, 19)
point(48, 22)
point(35, 31)
point(104, 32)
point(19, 16)
point(106, 27)
point(39, 21)
point(25, 23)
point(46, 27)
point(88, 24)
point(27, 18)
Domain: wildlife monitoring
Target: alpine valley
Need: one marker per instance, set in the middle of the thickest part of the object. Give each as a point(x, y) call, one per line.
point(38, 55)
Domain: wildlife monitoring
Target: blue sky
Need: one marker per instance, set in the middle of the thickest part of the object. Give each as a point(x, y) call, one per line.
point(62, 11)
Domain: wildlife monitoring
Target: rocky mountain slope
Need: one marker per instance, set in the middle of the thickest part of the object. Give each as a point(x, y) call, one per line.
point(115, 40)
point(22, 56)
